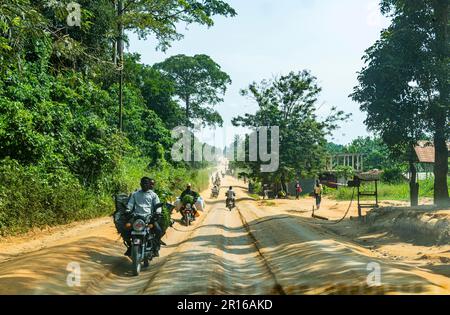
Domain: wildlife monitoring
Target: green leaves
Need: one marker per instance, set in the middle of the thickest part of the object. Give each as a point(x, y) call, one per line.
point(290, 103)
point(200, 83)
point(404, 86)
point(58, 106)
point(160, 17)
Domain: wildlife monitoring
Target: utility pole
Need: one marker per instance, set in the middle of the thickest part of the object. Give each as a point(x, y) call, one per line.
point(120, 64)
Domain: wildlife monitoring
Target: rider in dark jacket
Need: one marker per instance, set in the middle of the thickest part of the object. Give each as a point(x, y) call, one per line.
point(189, 192)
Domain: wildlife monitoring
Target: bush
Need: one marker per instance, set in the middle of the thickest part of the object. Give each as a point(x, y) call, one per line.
point(393, 176)
point(344, 171)
point(281, 194)
point(257, 188)
point(31, 197)
point(387, 191)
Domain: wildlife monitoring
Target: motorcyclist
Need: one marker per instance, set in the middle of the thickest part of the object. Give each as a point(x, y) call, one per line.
point(189, 192)
point(217, 181)
point(143, 202)
point(215, 190)
point(231, 195)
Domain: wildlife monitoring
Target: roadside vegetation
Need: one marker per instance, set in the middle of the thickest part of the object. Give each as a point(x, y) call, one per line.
point(386, 191)
point(403, 90)
point(64, 152)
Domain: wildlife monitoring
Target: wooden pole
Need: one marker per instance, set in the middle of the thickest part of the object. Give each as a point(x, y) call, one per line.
point(120, 65)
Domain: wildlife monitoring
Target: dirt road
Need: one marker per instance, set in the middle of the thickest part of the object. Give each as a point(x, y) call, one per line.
point(250, 250)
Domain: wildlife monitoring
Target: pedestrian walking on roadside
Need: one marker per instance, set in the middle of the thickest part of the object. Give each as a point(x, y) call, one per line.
point(265, 192)
point(298, 190)
point(318, 193)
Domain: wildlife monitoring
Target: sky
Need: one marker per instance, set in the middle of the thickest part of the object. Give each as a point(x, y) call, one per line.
point(268, 38)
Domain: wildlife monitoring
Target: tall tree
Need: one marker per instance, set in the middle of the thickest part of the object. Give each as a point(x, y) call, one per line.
point(199, 83)
point(441, 108)
point(290, 102)
point(159, 18)
point(157, 90)
point(404, 88)
point(20, 27)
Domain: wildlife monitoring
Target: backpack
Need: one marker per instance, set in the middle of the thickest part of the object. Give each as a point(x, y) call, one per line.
point(119, 217)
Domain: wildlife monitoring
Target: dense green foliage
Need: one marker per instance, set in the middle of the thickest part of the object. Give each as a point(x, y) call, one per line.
point(289, 102)
point(404, 85)
point(199, 83)
point(376, 153)
point(62, 157)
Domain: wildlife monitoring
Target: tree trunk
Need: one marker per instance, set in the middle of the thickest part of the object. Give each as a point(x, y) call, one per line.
point(283, 184)
point(413, 185)
point(441, 197)
point(187, 111)
point(114, 55)
point(120, 61)
point(441, 110)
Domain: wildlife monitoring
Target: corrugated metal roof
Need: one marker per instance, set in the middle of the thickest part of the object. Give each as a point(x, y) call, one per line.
point(425, 151)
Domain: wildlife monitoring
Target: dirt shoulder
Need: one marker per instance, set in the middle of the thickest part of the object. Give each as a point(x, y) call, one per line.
point(42, 238)
point(414, 236)
point(39, 239)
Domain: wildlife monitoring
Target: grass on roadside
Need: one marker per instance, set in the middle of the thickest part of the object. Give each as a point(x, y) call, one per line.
point(31, 198)
point(385, 191)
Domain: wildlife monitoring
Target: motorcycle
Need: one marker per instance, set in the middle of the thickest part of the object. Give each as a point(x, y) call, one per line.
point(214, 193)
point(230, 204)
point(188, 214)
point(143, 240)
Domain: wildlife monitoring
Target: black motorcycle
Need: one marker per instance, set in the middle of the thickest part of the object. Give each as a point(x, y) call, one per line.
point(214, 193)
point(188, 214)
point(230, 204)
point(144, 242)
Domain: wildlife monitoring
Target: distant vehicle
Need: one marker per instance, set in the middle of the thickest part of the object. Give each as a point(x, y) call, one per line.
point(214, 192)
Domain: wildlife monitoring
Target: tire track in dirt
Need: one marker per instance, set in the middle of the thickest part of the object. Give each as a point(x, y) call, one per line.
point(137, 285)
point(219, 258)
point(306, 261)
point(278, 288)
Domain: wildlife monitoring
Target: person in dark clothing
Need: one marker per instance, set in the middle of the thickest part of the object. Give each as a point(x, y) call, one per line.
point(189, 192)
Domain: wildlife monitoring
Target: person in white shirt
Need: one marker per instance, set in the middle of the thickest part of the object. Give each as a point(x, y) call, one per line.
point(143, 202)
point(231, 195)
